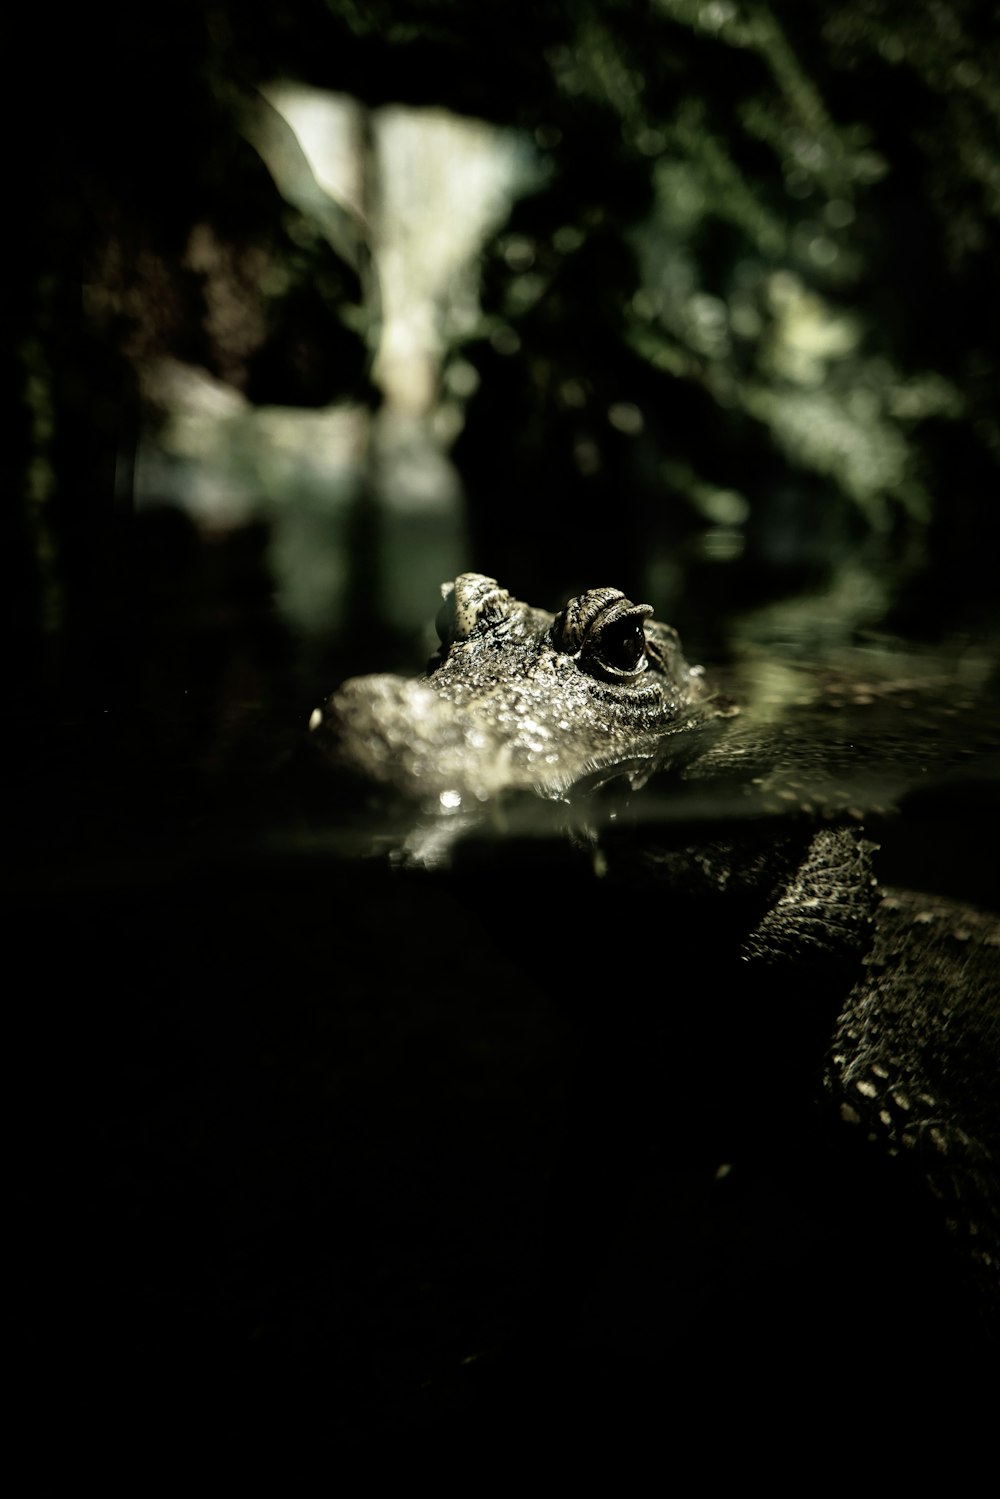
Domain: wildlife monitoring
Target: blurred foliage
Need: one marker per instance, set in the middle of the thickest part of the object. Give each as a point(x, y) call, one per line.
point(780, 234)
point(744, 326)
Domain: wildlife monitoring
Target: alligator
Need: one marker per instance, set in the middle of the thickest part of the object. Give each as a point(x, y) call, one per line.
point(879, 1007)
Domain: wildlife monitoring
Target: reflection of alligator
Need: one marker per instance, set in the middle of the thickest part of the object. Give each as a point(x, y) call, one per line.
point(785, 931)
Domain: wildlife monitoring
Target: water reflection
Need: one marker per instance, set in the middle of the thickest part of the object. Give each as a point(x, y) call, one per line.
point(815, 728)
point(407, 198)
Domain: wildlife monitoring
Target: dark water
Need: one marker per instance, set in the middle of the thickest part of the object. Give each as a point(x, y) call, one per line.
point(900, 738)
point(323, 1141)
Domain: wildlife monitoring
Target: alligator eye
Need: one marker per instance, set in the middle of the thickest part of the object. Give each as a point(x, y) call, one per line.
point(604, 630)
point(622, 645)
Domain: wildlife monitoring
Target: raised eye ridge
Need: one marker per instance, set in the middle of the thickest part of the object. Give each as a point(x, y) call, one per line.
point(605, 630)
point(473, 602)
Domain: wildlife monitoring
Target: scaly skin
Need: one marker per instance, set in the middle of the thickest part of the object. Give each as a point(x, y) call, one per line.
point(519, 698)
point(902, 992)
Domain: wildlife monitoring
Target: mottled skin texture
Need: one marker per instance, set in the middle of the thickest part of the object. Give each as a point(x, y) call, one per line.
point(915, 1063)
point(520, 698)
point(888, 1001)
point(896, 995)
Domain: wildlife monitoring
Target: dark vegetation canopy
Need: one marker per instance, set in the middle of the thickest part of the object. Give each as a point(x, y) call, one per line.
point(737, 334)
